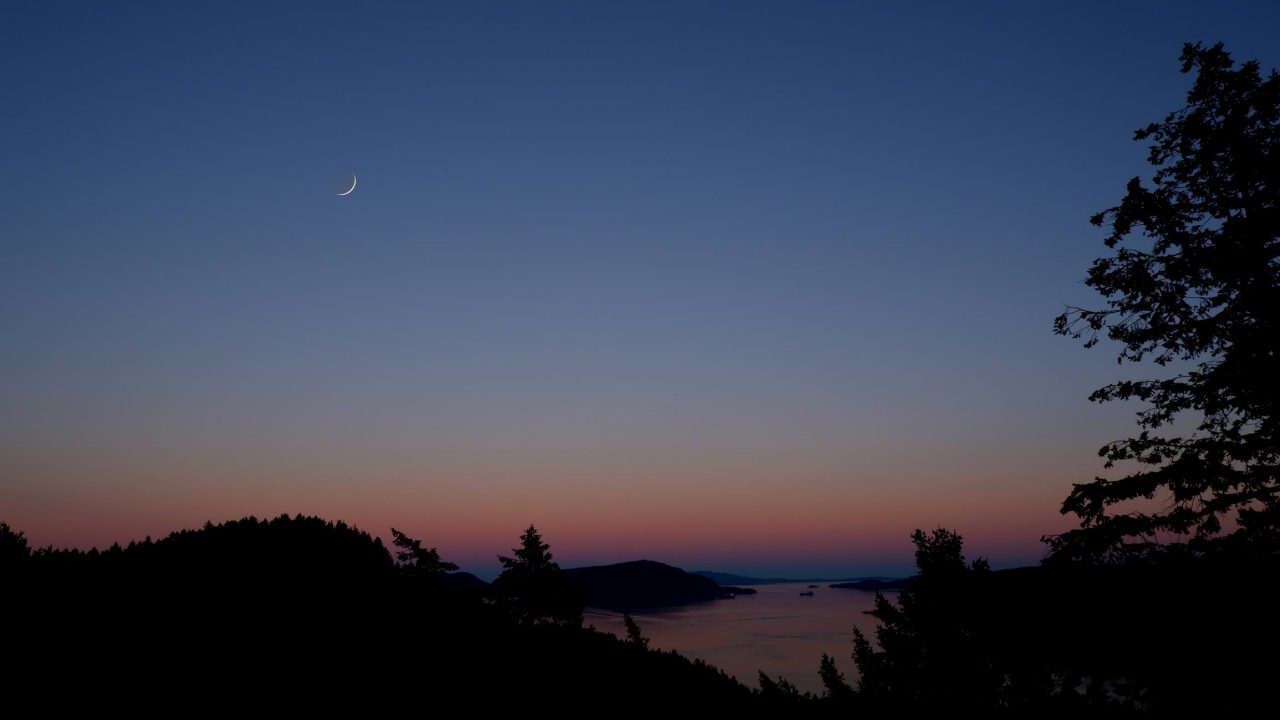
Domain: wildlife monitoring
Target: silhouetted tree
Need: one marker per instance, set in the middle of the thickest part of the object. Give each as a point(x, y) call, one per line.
point(833, 680)
point(415, 561)
point(931, 654)
point(780, 691)
point(1193, 285)
point(633, 631)
point(14, 548)
point(532, 557)
point(940, 553)
point(534, 587)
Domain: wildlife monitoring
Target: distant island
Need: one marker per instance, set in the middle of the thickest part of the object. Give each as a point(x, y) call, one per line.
point(634, 585)
point(872, 584)
point(464, 581)
point(731, 579)
point(642, 584)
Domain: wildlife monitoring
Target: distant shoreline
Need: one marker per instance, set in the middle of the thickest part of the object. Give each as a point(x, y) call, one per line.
point(872, 584)
point(730, 579)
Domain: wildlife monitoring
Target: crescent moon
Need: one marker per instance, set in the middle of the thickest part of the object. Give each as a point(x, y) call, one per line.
point(353, 186)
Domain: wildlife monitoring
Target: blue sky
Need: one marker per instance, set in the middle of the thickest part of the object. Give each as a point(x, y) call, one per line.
point(674, 257)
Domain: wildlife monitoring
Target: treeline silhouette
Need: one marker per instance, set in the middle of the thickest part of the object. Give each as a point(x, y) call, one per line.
point(316, 614)
point(320, 614)
point(1176, 635)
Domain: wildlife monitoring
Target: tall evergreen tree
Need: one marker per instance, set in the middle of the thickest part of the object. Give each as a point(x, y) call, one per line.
point(534, 587)
point(1194, 286)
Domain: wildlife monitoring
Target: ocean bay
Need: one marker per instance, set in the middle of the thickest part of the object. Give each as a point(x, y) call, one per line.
point(777, 630)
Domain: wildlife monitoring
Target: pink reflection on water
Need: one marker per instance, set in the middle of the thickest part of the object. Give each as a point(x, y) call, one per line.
point(776, 630)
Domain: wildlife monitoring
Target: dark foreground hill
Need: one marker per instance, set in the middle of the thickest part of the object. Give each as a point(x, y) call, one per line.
point(300, 614)
point(297, 614)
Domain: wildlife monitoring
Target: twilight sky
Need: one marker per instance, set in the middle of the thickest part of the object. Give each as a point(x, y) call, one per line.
point(759, 287)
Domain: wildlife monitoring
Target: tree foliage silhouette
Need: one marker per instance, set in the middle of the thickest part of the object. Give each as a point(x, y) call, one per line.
point(834, 685)
point(1193, 285)
point(634, 634)
point(534, 587)
point(931, 654)
point(14, 547)
point(780, 692)
point(417, 561)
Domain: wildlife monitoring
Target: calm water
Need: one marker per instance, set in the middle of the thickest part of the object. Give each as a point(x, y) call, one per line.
point(777, 631)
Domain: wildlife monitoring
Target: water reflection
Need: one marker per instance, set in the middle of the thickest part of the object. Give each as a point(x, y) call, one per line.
point(776, 630)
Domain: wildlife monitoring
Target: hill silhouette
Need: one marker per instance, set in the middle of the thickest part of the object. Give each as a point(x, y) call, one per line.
point(465, 581)
point(641, 584)
point(307, 612)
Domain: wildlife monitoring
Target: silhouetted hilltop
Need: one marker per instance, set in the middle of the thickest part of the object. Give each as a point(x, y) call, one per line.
point(641, 584)
point(464, 581)
point(239, 559)
point(315, 614)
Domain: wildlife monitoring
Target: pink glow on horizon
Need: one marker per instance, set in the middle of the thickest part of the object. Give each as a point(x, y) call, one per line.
point(714, 523)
